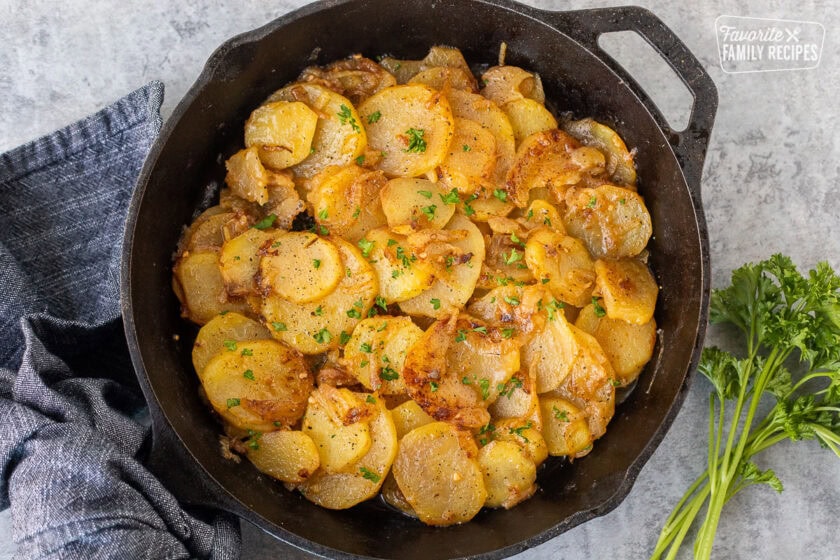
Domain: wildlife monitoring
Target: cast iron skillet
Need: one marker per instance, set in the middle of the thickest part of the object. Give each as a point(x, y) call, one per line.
point(185, 168)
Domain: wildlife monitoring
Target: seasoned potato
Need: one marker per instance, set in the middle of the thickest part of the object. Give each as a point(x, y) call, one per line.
point(201, 288)
point(362, 479)
point(620, 165)
point(565, 429)
point(525, 433)
point(442, 77)
point(504, 84)
point(628, 288)
point(542, 213)
point(316, 326)
point(339, 444)
point(223, 333)
point(345, 200)
point(239, 260)
point(628, 346)
point(412, 125)
point(339, 136)
point(518, 398)
point(301, 267)
point(565, 262)
point(438, 477)
point(528, 117)
point(394, 497)
point(438, 57)
point(212, 228)
point(414, 204)
point(550, 353)
point(509, 474)
point(486, 205)
point(246, 176)
point(376, 352)
point(356, 77)
point(260, 386)
point(287, 455)
point(613, 222)
point(401, 274)
point(282, 133)
point(408, 416)
point(471, 160)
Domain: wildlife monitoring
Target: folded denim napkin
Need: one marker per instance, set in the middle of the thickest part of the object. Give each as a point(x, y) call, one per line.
point(71, 431)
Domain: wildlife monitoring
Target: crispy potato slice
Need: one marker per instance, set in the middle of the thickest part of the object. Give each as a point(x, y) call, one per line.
point(504, 84)
point(565, 262)
point(287, 455)
point(246, 176)
point(339, 135)
point(281, 132)
point(438, 477)
point(518, 399)
point(412, 125)
point(345, 200)
point(485, 204)
point(438, 56)
point(212, 228)
point(441, 77)
point(525, 433)
point(550, 158)
point(528, 117)
point(301, 267)
point(628, 288)
point(260, 386)
point(628, 346)
point(457, 279)
point(356, 77)
point(413, 204)
point(620, 164)
point(565, 429)
point(504, 262)
point(200, 287)
point(362, 479)
point(239, 260)
point(476, 108)
point(471, 160)
point(550, 353)
point(509, 474)
point(339, 444)
point(222, 333)
point(542, 213)
point(408, 416)
point(401, 274)
point(376, 352)
point(613, 221)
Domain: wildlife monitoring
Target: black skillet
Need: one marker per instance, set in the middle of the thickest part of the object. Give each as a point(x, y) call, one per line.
point(185, 168)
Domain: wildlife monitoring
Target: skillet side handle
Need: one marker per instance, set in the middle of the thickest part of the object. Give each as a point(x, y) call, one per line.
point(690, 145)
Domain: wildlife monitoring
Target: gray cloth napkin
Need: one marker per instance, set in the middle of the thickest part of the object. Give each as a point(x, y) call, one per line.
point(71, 442)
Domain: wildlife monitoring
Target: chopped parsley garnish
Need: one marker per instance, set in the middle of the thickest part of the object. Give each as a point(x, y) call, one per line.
point(370, 399)
point(322, 337)
point(507, 333)
point(230, 345)
point(232, 402)
point(354, 314)
point(249, 374)
point(318, 311)
point(592, 202)
point(427, 194)
point(369, 475)
point(416, 144)
point(519, 431)
point(247, 352)
point(429, 211)
point(323, 214)
point(316, 263)
point(365, 347)
point(360, 160)
point(388, 373)
point(434, 386)
point(560, 414)
point(461, 336)
point(279, 327)
point(266, 222)
point(466, 380)
point(500, 194)
point(510, 300)
point(599, 311)
point(374, 117)
point(345, 116)
point(513, 257)
point(515, 239)
point(380, 302)
point(484, 385)
point(465, 147)
point(451, 197)
point(482, 330)
point(366, 246)
point(435, 303)
point(356, 212)
point(506, 389)
point(344, 338)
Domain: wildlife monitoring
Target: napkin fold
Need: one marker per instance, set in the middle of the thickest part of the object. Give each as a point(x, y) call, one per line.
point(72, 430)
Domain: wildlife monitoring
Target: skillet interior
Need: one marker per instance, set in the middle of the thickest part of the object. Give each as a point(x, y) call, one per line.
point(187, 164)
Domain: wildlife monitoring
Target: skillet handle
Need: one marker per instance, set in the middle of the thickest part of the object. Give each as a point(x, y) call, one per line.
point(690, 145)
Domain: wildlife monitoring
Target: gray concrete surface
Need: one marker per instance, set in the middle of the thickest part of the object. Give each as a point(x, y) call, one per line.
point(771, 183)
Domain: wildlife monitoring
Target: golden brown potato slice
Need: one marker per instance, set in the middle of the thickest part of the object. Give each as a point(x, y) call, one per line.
point(628, 288)
point(628, 346)
point(260, 386)
point(287, 455)
point(438, 56)
point(239, 260)
point(394, 497)
point(345, 200)
point(212, 228)
point(457, 278)
point(550, 353)
point(441, 77)
point(413, 204)
point(301, 267)
point(282, 133)
point(613, 222)
point(339, 135)
point(376, 352)
point(199, 285)
point(504, 84)
point(246, 176)
point(542, 213)
point(528, 117)
point(620, 163)
point(224, 333)
point(471, 160)
point(362, 479)
point(408, 416)
point(525, 433)
point(356, 77)
point(441, 481)
point(550, 158)
point(504, 262)
point(486, 204)
point(411, 125)
point(339, 443)
point(565, 429)
point(509, 474)
point(565, 262)
point(401, 274)
point(518, 399)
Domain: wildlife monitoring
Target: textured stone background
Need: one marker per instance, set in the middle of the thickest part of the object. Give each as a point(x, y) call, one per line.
point(770, 184)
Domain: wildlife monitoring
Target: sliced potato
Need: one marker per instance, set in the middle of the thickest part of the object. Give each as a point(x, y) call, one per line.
point(518, 398)
point(412, 125)
point(542, 213)
point(376, 352)
point(441, 77)
point(287, 455)
point(439, 478)
point(485, 204)
point(565, 262)
point(504, 84)
point(239, 260)
point(525, 433)
point(394, 497)
point(471, 160)
point(212, 228)
point(345, 200)
point(414, 204)
point(565, 429)
point(628, 346)
point(201, 288)
point(339, 135)
point(628, 288)
point(339, 444)
point(401, 274)
point(282, 133)
point(355, 77)
point(223, 333)
point(550, 353)
point(301, 267)
point(408, 416)
point(316, 326)
point(620, 163)
point(438, 56)
point(528, 117)
point(246, 176)
point(509, 474)
point(262, 385)
point(613, 222)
